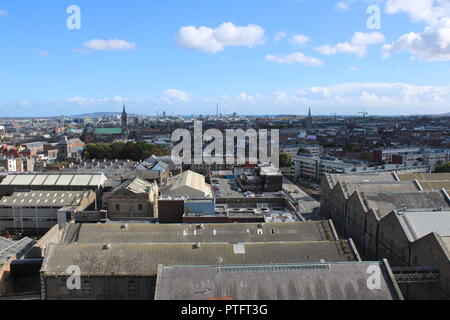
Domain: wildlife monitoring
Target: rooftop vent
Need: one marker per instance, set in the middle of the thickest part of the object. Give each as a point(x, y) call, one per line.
point(107, 246)
point(124, 226)
point(196, 246)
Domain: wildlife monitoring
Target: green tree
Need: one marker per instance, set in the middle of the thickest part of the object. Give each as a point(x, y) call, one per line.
point(286, 160)
point(443, 168)
point(303, 151)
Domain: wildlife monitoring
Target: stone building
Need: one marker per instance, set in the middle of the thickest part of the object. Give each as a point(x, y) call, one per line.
point(135, 198)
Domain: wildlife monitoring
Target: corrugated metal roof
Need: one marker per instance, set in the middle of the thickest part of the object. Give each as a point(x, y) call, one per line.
point(54, 179)
point(56, 199)
point(419, 224)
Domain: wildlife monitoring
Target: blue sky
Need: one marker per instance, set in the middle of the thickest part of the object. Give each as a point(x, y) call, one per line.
point(250, 57)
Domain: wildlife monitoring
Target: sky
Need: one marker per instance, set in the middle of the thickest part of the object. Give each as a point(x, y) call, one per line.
point(259, 57)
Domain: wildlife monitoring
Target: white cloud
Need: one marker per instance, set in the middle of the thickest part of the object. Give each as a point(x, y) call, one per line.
point(3, 13)
point(109, 45)
point(343, 98)
point(280, 36)
point(299, 39)
point(433, 44)
point(343, 5)
point(215, 40)
point(358, 45)
point(171, 95)
point(429, 11)
point(43, 54)
point(296, 57)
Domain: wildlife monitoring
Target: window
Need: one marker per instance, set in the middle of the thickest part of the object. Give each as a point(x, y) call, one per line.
point(87, 287)
point(132, 287)
point(141, 207)
point(117, 207)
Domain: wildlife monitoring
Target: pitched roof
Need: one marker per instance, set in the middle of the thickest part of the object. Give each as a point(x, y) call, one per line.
point(419, 224)
point(135, 186)
point(10, 248)
point(187, 180)
point(384, 203)
point(191, 233)
point(330, 281)
point(120, 259)
point(78, 180)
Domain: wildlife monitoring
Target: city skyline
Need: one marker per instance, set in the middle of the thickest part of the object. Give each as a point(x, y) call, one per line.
point(272, 57)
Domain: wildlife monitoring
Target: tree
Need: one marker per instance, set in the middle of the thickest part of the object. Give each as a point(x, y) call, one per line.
point(286, 160)
point(303, 151)
point(123, 151)
point(443, 168)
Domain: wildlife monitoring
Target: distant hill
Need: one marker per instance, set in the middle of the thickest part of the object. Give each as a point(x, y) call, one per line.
point(95, 115)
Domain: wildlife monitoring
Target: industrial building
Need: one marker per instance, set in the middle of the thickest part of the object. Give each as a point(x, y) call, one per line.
point(317, 281)
point(53, 182)
point(35, 212)
point(109, 271)
point(198, 233)
point(402, 218)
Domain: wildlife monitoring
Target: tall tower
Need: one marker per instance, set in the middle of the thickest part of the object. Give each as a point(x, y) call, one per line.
point(124, 120)
point(309, 120)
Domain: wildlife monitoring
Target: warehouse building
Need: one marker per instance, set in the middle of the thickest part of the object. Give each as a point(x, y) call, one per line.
point(35, 212)
point(191, 233)
point(366, 210)
point(53, 182)
point(399, 232)
point(318, 281)
point(109, 271)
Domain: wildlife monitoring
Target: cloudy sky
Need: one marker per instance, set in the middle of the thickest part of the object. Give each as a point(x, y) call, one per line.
point(250, 57)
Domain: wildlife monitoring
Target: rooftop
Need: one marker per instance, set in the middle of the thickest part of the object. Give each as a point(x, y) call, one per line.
point(190, 233)
point(9, 248)
point(41, 179)
point(120, 259)
point(135, 186)
point(385, 202)
point(45, 199)
point(419, 224)
point(331, 281)
point(431, 181)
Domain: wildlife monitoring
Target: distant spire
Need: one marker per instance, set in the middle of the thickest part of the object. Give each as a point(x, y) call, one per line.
point(124, 110)
point(309, 113)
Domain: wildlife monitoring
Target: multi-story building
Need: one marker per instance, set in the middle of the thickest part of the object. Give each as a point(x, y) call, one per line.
point(314, 168)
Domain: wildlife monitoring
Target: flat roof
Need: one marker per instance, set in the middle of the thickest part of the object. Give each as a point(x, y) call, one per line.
point(198, 233)
point(120, 259)
point(320, 281)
